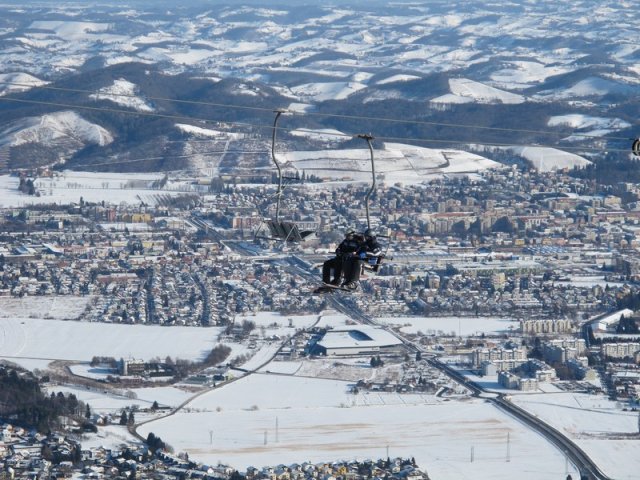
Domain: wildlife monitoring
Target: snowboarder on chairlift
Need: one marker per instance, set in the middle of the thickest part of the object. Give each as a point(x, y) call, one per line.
point(369, 251)
point(349, 246)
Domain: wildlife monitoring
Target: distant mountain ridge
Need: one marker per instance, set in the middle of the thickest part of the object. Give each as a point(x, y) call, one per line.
point(448, 67)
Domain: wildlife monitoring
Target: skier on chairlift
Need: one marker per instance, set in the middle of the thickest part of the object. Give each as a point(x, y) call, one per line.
point(349, 246)
point(369, 251)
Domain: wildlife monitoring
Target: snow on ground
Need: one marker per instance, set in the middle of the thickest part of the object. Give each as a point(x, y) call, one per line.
point(18, 82)
point(580, 121)
point(105, 402)
point(593, 422)
point(87, 371)
point(284, 367)
point(547, 159)
point(301, 107)
point(27, 338)
point(591, 126)
point(271, 419)
point(113, 437)
point(324, 134)
point(463, 89)
point(68, 187)
point(463, 326)
point(279, 324)
point(55, 127)
point(71, 30)
point(523, 74)
point(123, 92)
point(35, 341)
point(191, 56)
point(54, 307)
point(207, 132)
point(320, 92)
point(394, 163)
point(397, 78)
point(590, 87)
point(331, 319)
point(589, 281)
point(451, 98)
point(261, 356)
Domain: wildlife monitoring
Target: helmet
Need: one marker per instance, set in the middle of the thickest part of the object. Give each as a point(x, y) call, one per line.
point(369, 233)
point(350, 231)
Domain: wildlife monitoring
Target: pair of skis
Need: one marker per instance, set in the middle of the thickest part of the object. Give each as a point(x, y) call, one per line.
point(329, 287)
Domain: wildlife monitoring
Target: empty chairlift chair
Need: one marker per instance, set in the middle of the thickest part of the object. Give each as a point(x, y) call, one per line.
point(279, 229)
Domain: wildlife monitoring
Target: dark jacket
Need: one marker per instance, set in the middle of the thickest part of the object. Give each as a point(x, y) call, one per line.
point(370, 247)
point(348, 246)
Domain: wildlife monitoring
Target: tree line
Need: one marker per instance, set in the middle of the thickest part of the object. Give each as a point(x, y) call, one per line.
point(24, 404)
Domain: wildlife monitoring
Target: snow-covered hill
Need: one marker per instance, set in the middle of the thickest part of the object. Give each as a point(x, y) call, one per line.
point(18, 82)
point(50, 128)
point(549, 159)
point(62, 134)
point(464, 90)
point(395, 163)
point(122, 92)
point(490, 64)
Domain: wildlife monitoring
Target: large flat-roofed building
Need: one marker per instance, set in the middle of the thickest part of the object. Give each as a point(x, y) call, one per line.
point(356, 340)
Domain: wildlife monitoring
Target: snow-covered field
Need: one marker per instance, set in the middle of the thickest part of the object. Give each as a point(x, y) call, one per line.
point(70, 186)
point(35, 328)
point(35, 338)
point(67, 307)
point(463, 326)
point(272, 419)
point(107, 402)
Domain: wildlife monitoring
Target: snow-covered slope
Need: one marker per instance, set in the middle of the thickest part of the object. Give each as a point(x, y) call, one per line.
point(62, 134)
point(18, 82)
point(395, 163)
point(548, 159)
point(464, 90)
point(587, 125)
point(123, 92)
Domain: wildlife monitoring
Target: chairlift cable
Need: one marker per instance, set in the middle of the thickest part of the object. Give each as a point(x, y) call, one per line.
point(312, 132)
point(315, 114)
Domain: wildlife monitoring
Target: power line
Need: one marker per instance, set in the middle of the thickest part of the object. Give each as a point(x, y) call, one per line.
point(318, 114)
point(311, 132)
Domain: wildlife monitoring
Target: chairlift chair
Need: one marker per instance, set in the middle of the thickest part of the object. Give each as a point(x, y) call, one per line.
point(372, 263)
point(281, 230)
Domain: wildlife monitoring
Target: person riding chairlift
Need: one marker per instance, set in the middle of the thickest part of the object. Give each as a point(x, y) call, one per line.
point(349, 246)
point(369, 251)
